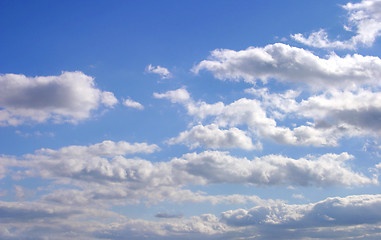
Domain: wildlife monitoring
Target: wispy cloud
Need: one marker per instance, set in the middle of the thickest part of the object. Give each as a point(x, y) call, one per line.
point(364, 19)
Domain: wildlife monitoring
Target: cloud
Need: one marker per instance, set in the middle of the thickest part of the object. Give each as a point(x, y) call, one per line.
point(199, 109)
point(132, 104)
point(296, 65)
point(95, 168)
point(360, 109)
point(252, 114)
point(364, 20)
point(162, 71)
point(108, 99)
point(180, 95)
point(326, 117)
point(335, 114)
point(69, 97)
point(90, 163)
point(336, 211)
point(29, 211)
point(106, 148)
point(351, 217)
point(213, 167)
point(166, 215)
point(211, 136)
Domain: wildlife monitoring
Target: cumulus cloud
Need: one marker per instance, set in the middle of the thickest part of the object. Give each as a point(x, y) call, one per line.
point(364, 19)
point(70, 97)
point(96, 167)
point(337, 211)
point(252, 114)
point(180, 95)
point(162, 71)
point(327, 117)
point(29, 211)
point(108, 99)
point(101, 175)
point(133, 104)
point(334, 113)
point(211, 136)
point(296, 65)
point(220, 167)
point(360, 109)
point(351, 217)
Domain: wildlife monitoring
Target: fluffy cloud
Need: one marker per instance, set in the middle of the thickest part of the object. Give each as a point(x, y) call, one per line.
point(327, 117)
point(351, 217)
point(180, 95)
point(96, 167)
point(364, 19)
point(92, 163)
point(25, 211)
point(211, 136)
point(86, 163)
point(361, 109)
point(291, 64)
point(252, 114)
point(220, 167)
point(162, 71)
point(102, 176)
point(108, 99)
point(335, 114)
point(351, 210)
point(70, 96)
point(132, 104)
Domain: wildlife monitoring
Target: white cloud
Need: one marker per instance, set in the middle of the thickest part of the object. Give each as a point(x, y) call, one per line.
point(351, 217)
point(335, 114)
point(361, 109)
point(285, 63)
point(29, 211)
point(327, 117)
point(337, 211)
point(180, 95)
point(364, 20)
point(96, 167)
point(219, 167)
point(162, 71)
point(108, 99)
point(133, 104)
point(211, 136)
point(199, 109)
point(70, 97)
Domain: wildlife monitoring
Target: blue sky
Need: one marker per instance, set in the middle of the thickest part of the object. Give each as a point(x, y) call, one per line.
point(190, 119)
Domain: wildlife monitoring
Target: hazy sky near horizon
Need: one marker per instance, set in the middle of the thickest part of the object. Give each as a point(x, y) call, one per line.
point(190, 119)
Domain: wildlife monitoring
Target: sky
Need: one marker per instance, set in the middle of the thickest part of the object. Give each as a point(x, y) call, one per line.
point(190, 119)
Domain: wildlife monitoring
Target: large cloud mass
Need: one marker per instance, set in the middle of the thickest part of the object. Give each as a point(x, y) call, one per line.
point(70, 96)
point(292, 64)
